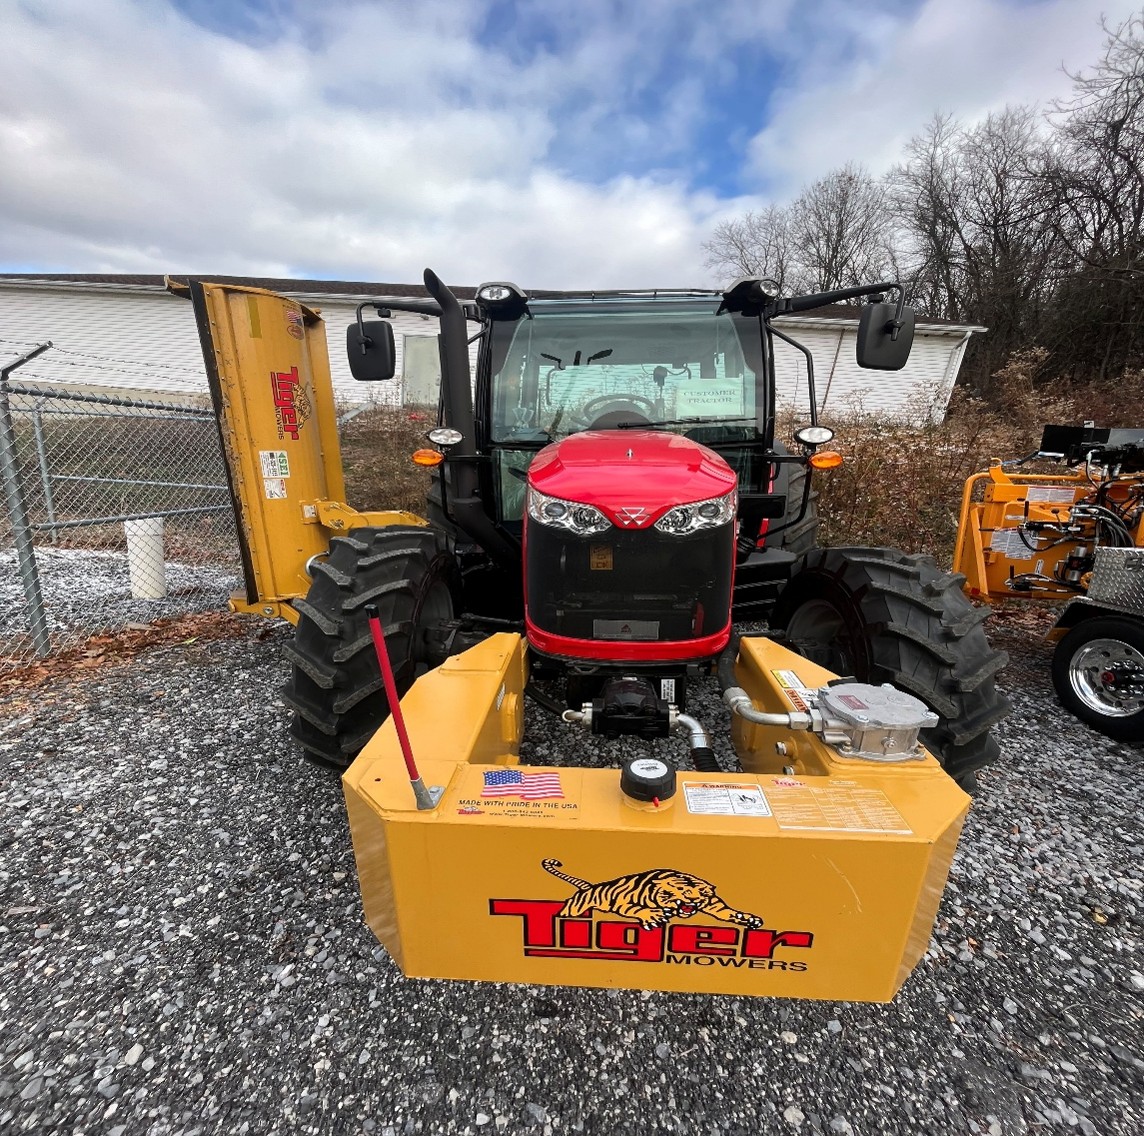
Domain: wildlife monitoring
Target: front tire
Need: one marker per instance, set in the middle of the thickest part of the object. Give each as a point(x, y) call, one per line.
point(336, 690)
point(881, 615)
point(1086, 664)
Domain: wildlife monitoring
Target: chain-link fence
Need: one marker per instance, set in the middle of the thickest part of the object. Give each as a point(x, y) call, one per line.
point(117, 513)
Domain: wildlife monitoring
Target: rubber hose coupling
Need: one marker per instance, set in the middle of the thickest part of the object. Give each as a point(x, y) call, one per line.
point(704, 759)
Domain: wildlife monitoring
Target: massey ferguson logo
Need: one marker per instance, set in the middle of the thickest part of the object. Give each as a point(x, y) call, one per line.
point(291, 402)
point(646, 904)
point(632, 515)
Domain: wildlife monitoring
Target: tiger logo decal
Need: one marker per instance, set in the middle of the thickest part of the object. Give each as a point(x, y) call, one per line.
point(652, 898)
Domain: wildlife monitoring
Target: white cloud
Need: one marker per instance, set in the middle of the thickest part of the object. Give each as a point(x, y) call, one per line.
point(968, 57)
point(363, 140)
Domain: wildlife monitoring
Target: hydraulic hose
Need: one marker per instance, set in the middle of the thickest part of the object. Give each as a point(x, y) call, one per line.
point(726, 665)
point(701, 753)
point(739, 701)
point(552, 705)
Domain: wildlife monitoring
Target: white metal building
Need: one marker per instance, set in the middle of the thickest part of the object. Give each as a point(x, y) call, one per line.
point(128, 334)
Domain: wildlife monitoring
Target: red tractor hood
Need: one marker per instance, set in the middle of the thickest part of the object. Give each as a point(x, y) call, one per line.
point(632, 476)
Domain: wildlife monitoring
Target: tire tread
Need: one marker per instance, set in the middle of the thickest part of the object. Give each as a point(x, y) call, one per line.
point(922, 634)
point(335, 691)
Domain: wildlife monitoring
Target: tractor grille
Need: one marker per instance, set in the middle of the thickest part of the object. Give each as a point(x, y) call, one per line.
point(639, 586)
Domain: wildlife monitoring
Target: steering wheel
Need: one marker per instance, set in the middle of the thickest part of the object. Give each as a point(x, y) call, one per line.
point(615, 406)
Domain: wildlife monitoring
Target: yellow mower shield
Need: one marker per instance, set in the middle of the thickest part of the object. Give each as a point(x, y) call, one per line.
point(819, 884)
point(269, 375)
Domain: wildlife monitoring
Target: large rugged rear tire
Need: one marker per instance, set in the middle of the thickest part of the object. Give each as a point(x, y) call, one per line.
point(336, 689)
point(881, 615)
point(800, 538)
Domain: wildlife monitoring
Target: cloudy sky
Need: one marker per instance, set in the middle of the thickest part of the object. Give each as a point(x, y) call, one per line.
point(558, 143)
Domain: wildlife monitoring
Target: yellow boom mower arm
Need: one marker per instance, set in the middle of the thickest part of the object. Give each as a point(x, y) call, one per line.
point(269, 376)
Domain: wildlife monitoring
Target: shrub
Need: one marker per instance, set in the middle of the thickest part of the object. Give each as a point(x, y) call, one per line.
point(376, 448)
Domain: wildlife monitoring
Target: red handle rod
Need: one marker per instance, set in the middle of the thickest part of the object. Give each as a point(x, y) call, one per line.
point(391, 691)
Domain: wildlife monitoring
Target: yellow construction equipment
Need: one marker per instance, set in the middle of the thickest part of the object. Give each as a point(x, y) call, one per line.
point(1070, 537)
point(817, 883)
point(602, 505)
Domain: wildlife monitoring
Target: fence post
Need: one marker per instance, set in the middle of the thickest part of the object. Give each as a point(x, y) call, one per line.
point(18, 512)
point(45, 472)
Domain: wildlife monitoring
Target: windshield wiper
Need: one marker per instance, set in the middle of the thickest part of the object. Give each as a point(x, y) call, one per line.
point(680, 422)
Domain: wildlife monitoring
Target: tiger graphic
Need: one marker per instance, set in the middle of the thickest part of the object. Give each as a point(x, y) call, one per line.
point(652, 898)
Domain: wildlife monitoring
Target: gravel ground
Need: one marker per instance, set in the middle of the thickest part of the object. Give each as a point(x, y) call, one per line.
point(86, 591)
point(181, 951)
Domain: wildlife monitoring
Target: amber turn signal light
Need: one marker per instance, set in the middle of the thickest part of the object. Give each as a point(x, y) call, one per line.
point(428, 457)
point(825, 459)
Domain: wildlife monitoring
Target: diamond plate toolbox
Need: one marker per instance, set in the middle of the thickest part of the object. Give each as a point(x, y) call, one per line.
point(1118, 579)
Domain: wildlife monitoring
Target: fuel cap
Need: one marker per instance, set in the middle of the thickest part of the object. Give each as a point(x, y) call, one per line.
point(647, 779)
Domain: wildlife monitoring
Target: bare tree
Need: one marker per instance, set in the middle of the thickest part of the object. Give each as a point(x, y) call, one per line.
point(980, 235)
point(835, 234)
point(926, 191)
point(1098, 175)
point(1031, 225)
point(756, 244)
point(841, 231)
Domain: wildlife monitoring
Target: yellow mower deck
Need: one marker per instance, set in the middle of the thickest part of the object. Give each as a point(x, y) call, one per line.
point(820, 884)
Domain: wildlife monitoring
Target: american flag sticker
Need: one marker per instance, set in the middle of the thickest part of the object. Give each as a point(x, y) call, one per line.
point(528, 786)
point(294, 322)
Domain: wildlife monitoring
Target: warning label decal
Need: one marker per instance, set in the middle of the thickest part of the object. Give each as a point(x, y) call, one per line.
point(1011, 544)
point(275, 488)
point(710, 798)
point(836, 809)
point(1052, 494)
point(275, 463)
point(792, 684)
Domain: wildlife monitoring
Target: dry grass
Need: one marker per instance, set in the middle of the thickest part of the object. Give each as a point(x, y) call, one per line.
point(376, 449)
point(900, 485)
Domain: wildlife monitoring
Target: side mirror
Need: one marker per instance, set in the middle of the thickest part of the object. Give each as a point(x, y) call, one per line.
point(371, 351)
point(883, 342)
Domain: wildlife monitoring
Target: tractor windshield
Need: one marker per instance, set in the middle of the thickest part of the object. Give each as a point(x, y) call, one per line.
point(670, 365)
point(595, 366)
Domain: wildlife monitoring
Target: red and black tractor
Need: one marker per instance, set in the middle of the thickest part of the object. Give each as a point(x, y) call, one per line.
point(611, 485)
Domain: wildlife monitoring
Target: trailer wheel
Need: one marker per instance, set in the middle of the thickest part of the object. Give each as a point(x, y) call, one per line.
point(336, 689)
point(881, 615)
point(1098, 668)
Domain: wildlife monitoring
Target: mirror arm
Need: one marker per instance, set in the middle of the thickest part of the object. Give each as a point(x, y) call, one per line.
point(820, 299)
point(809, 369)
point(896, 322)
point(364, 341)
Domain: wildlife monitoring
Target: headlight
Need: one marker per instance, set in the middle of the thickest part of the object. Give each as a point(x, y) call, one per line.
point(583, 520)
point(709, 514)
point(814, 435)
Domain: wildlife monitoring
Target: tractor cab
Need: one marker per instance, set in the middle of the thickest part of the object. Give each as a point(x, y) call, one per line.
point(672, 363)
